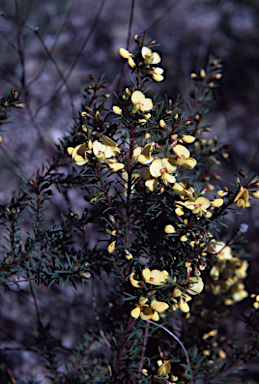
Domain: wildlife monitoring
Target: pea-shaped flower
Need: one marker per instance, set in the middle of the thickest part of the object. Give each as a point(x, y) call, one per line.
point(163, 168)
point(241, 198)
point(149, 56)
point(184, 157)
point(147, 312)
point(163, 368)
point(106, 150)
point(143, 155)
point(140, 103)
point(155, 276)
point(79, 153)
point(196, 285)
point(197, 206)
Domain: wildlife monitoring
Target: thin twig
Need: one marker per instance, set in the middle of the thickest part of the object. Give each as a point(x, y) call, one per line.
point(130, 22)
point(54, 44)
point(143, 350)
point(66, 77)
point(176, 338)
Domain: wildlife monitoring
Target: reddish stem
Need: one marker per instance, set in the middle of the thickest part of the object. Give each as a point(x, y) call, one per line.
point(131, 320)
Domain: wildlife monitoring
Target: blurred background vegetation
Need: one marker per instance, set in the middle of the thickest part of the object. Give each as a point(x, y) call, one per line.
point(48, 50)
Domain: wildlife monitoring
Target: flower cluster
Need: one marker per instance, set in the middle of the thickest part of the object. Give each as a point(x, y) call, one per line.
point(227, 274)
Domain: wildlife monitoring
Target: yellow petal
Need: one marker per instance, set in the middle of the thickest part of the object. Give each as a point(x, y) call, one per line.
point(181, 151)
point(159, 306)
point(222, 193)
point(217, 202)
point(155, 316)
point(188, 138)
point(164, 369)
point(146, 274)
point(184, 307)
point(70, 150)
point(108, 141)
point(256, 194)
point(179, 211)
point(142, 301)
point(157, 78)
point(116, 167)
point(135, 312)
point(169, 229)
point(156, 277)
point(158, 71)
point(124, 53)
point(203, 202)
point(146, 105)
point(167, 178)
point(146, 52)
point(134, 281)
point(189, 163)
point(151, 184)
point(196, 285)
point(239, 296)
point(111, 247)
point(156, 58)
point(162, 124)
point(117, 110)
point(131, 62)
point(137, 97)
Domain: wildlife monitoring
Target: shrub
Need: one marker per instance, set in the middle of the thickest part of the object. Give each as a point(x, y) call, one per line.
point(148, 171)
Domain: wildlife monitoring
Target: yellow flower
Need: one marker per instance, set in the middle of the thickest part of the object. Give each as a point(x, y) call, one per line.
point(143, 155)
point(188, 138)
point(151, 184)
point(240, 272)
point(162, 124)
point(114, 166)
point(222, 250)
point(223, 193)
point(154, 277)
point(106, 150)
point(127, 55)
point(143, 121)
point(182, 190)
point(156, 74)
point(134, 281)
point(149, 56)
point(217, 203)
point(79, 153)
point(183, 306)
point(131, 62)
point(117, 110)
point(255, 194)
point(146, 312)
point(140, 103)
point(162, 168)
point(164, 368)
point(197, 206)
point(196, 285)
point(169, 229)
point(242, 197)
point(184, 157)
point(238, 292)
point(111, 247)
point(124, 53)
